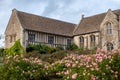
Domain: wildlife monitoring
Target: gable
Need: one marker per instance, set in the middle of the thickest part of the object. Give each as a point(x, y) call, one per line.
point(110, 17)
point(13, 25)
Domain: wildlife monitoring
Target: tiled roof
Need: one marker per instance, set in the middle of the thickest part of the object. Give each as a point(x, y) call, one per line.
point(92, 23)
point(43, 24)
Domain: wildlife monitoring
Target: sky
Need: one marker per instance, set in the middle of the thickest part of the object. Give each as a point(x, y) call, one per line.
point(65, 10)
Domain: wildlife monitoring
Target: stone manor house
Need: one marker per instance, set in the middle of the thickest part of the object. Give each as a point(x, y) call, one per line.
point(101, 30)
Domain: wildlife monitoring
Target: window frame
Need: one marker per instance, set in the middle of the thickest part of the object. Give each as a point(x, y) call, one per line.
point(81, 39)
point(110, 46)
point(10, 38)
point(50, 39)
point(109, 28)
point(69, 42)
point(31, 37)
point(93, 40)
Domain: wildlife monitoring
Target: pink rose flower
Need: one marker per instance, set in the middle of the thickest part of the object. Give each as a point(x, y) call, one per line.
point(74, 76)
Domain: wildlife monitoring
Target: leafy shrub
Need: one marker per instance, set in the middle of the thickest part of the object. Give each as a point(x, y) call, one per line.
point(59, 48)
point(93, 51)
point(56, 56)
point(42, 49)
point(52, 50)
point(15, 49)
point(72, 47)
point(2, 52)
point(89, 67)
point(20, 68)
point(115, 65)
point(62, 66)
point(33, 54)
point(30, 48)
point(50, 58)
point(82, 51)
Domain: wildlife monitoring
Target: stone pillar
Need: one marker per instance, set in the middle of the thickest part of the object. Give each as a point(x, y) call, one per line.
point(85, 42)
point(97, 40)
point(89, 42)
point(77, 41)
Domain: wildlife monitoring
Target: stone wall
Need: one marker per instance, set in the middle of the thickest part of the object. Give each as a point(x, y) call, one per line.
point(13, 31)
point(87, 41)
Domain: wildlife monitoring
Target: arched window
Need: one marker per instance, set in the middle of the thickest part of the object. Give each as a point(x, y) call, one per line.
point(109, 28)
point(92, 41)
point(82, 41)
point(110, 46)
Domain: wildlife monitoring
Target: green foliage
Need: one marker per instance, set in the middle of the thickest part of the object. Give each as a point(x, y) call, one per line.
point(2, 52)
point(72, 47)
point(42, 49)
point(51, 50)
point(84, 51)
point(61, 66)
point(115, 64)
point(15, 49)
point(93, 51)
point(20, 68)
point(30, 48)
point(59, 48)
point(51, 58)
point(1, 55)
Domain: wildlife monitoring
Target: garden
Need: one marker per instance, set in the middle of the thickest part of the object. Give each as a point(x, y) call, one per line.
point(40, 62)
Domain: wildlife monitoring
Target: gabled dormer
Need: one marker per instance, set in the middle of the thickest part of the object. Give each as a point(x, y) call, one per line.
point(109, 30)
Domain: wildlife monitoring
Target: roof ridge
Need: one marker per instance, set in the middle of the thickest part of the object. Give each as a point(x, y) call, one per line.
point(95, 15)
point(100, 14)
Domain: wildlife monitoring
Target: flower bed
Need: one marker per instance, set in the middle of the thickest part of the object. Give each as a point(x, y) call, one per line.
point(100, 66)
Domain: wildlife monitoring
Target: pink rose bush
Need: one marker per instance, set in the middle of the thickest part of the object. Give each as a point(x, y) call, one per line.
point(104, 65)
point(20, 68)
point(91, 67)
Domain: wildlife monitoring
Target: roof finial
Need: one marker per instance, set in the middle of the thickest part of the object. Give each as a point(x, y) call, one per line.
point(83, 16)
point(109, 9)
point(14, 9)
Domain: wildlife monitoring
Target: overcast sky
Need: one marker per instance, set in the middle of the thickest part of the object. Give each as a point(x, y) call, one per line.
point(66, 10)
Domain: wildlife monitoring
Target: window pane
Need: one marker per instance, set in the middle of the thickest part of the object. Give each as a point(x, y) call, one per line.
point(50, 39)
point(81, 42)
point(68, 41)
point(92, 43)
point(31, 37)
point(81, 39)
point(92, 37)
point(109, 28)
point(110, 46)
point(10, 38)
